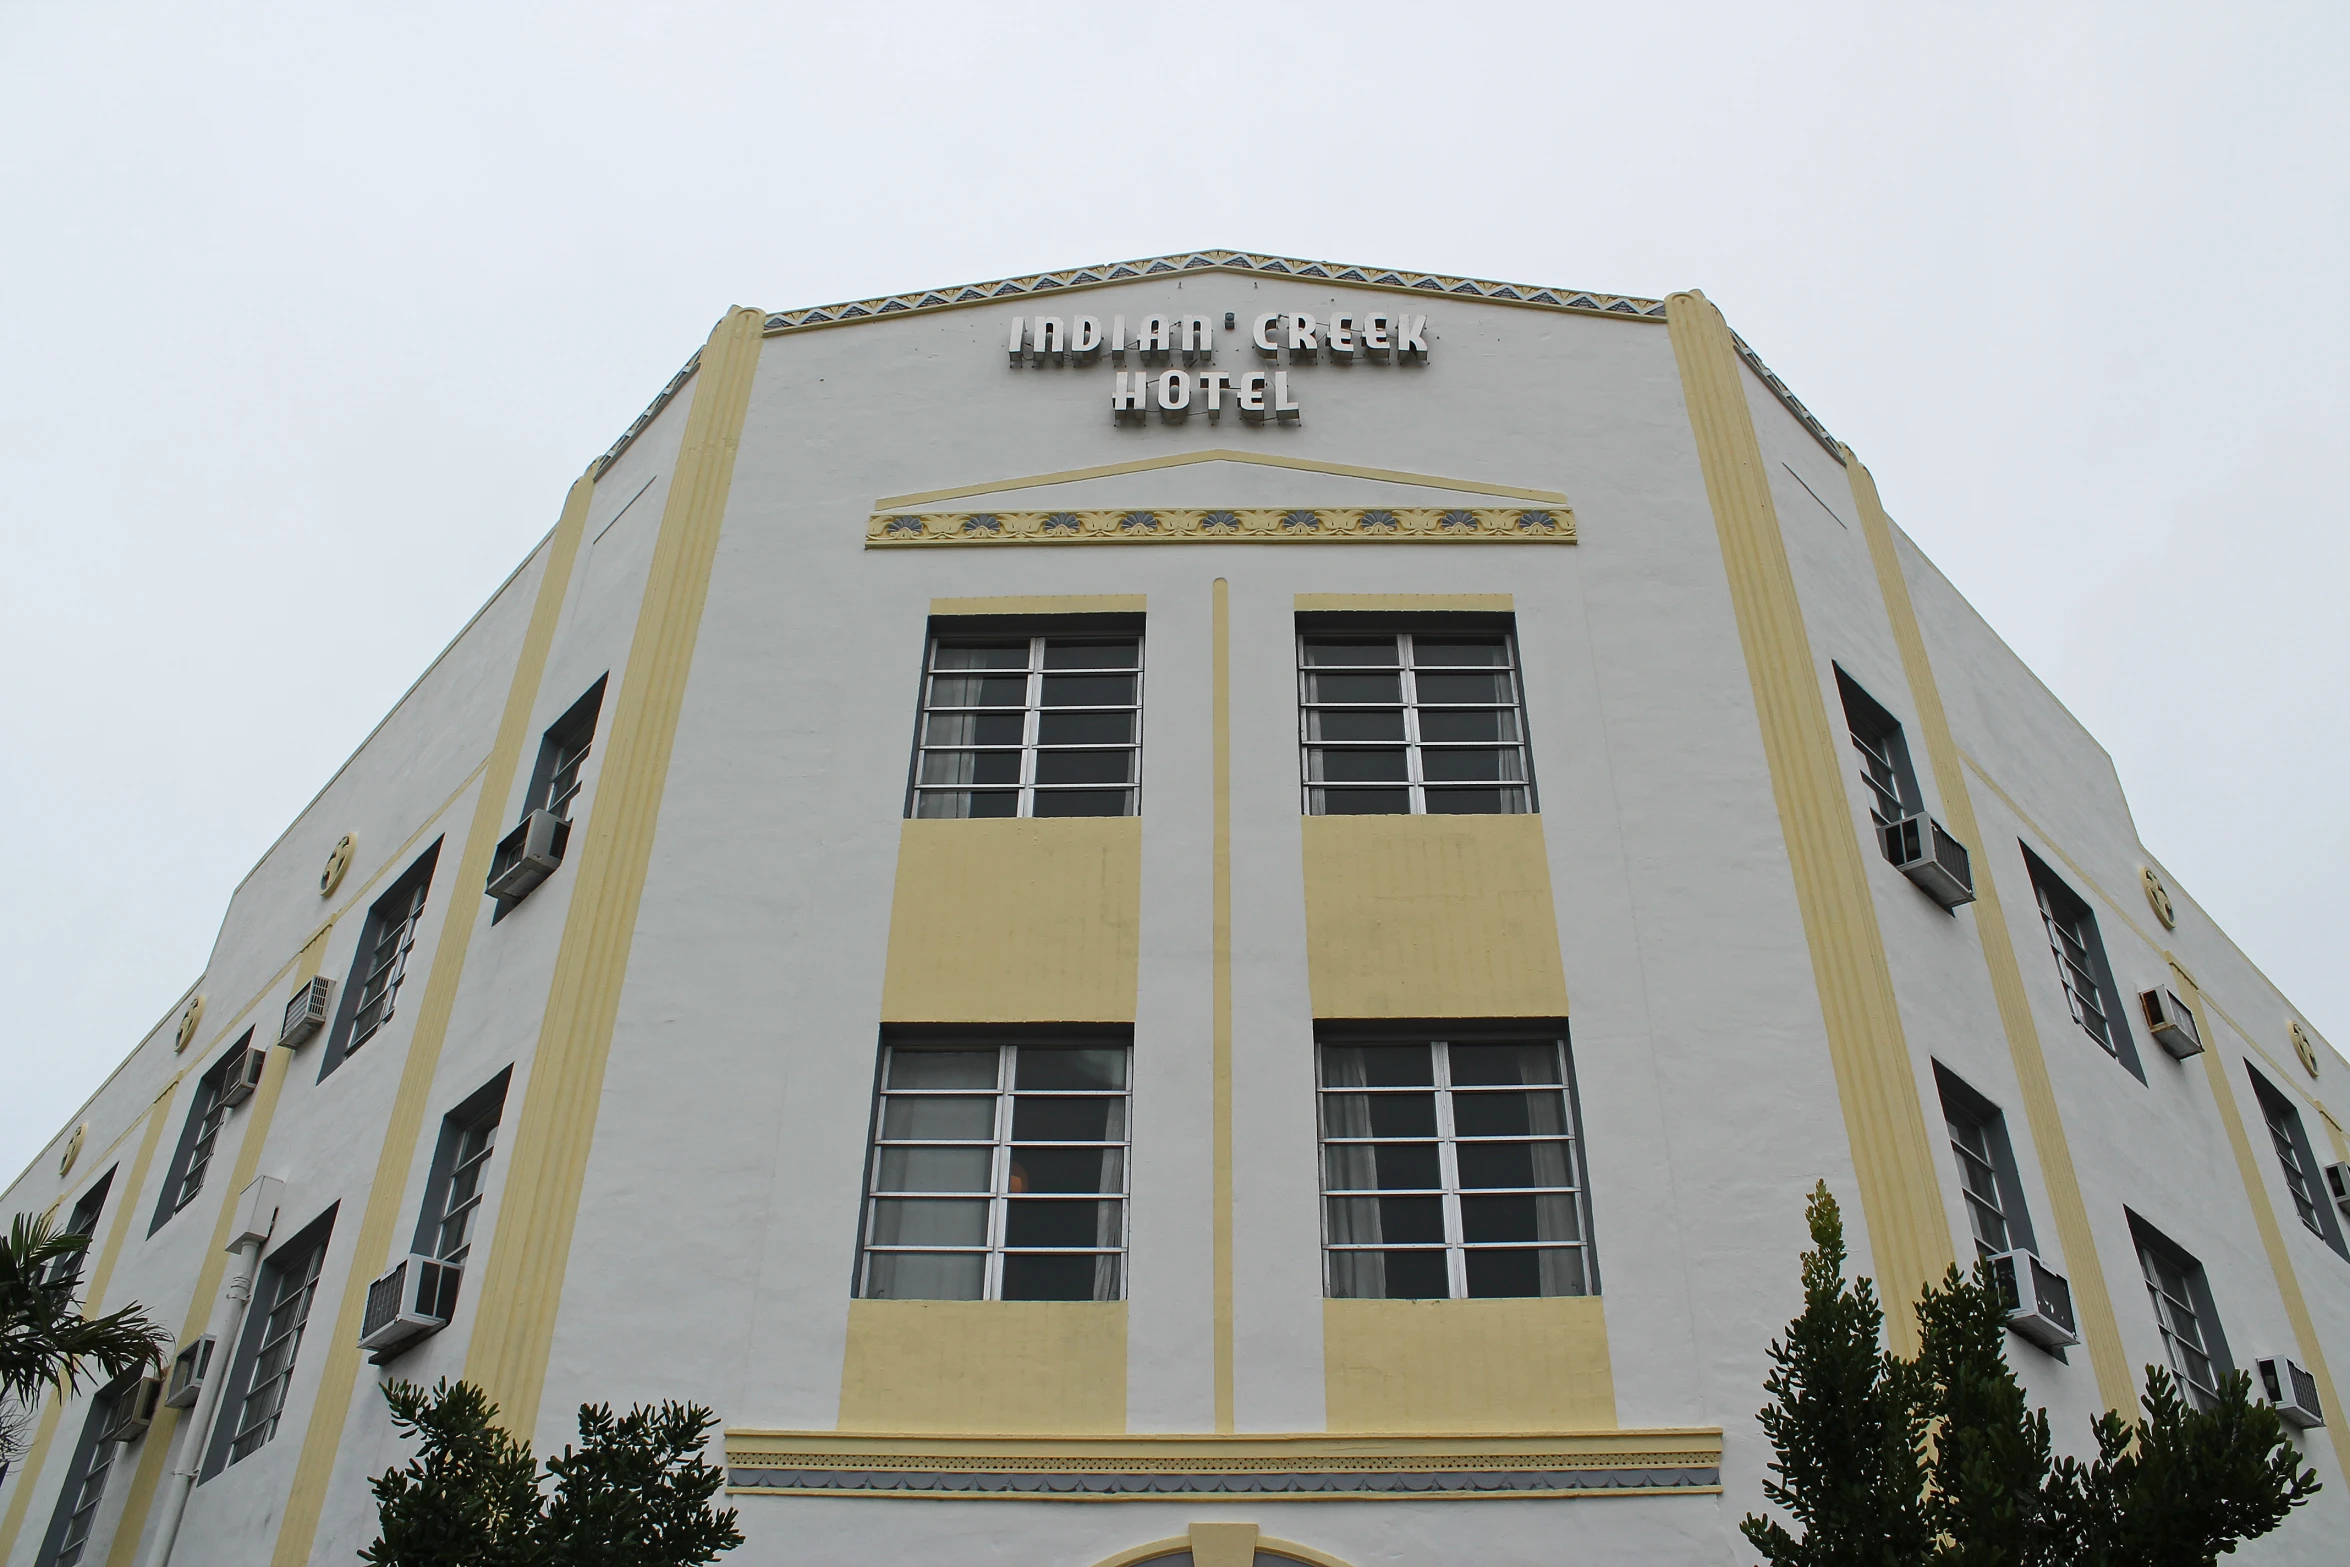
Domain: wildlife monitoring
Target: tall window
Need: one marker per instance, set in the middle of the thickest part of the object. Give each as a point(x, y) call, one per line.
point(207, 1114)
point(1412, 723)
point(76, 1514)
point(2181, 1296)
point(256, 1392)
point(563, 752)
point(1884, 755)
point(1030, 726)
point(2303, 1182)
point(1986, 1167)
point(1449, 1170)
point(83, 1221)
point(453, 1193)
point(998, 1173)
point(2081, 966)
point(380, 968)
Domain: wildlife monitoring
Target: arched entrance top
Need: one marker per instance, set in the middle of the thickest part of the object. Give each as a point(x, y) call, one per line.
point(1222, 1545)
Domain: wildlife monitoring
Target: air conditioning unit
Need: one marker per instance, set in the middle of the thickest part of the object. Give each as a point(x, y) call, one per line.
point(243, 1076)
point(414, 1299)
point(133, 1410)
point(1929, 856)
point(187, 1374)
point(2171, 1024)
point(2338, 1184)
point(528, 855)
point(2039, 1301)
point(306, 1014)
point(2292, 1390)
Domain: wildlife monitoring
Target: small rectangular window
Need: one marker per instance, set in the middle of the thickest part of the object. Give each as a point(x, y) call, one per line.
point(2304, 1180)
point(371, 995)
point(83, 1221)
point(254, 1398)
point(1411, 723)
point(2089, 989)
point(2183, 1313)
point(199, 1136)
point(1986, 1166)
point(1885, 766)
point(1450, 1170)
point(998, 1172)
point(563, 754)
point(1029, 726)
point(460, 1168)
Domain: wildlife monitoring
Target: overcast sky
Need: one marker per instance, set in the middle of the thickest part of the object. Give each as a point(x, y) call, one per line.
point(309, 314)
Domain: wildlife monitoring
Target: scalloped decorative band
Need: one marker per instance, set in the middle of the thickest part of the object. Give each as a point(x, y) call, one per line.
point(1097, 1485)
point(1238, 525)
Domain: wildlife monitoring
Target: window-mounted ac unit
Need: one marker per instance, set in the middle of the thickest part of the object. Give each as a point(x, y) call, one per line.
point(414, 1299)
point(306, 1014)
point(187, 1374)
point(1921, 850)
point(2039, 1301)
point(2171, 1024)
point(2338, 1185)
point(243, 1076)
point(2292, 1390)
point(133, 1412)
point(528, 855)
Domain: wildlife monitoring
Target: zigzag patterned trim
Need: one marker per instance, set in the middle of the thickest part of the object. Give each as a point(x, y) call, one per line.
point(1220, 261)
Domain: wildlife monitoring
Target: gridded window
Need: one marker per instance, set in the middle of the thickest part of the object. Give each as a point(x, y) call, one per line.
point(998, 1173)
point(85, 1486)
point(392, 934)
point(289, 1286)
point(1884, 755)
point(2303, 1179)
point(1412, 723)
point(453, 1233)
point(2177, 1294)
point(83, 1221)
point(2089, 990)
point(563, 752)
point(1988, 1181)
point(1030, 726)
point(1449, 1170)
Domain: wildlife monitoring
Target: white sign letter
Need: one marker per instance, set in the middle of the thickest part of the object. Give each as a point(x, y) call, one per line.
point(1252, 395)
point(1019, 337)
point(1301, 338)
point(1085, 339)
point(1263, 336)
point(1411, 338)
point(1126, 397)
point(1339, 339)
point(1375, 341)
point(1175, 393)
point(1284, 406)
point(1197, 339)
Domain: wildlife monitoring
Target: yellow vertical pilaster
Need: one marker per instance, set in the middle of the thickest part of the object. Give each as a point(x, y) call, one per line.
point(323, 1428)
point(1221, 1025)
point(1909, 1233)
point(530, 1246)
point(2091, 1299)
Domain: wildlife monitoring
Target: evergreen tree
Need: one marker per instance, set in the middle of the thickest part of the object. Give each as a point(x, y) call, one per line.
point(636, 1492)
point(1844, 1424)
point(1993, 1495)
point(470, 1497)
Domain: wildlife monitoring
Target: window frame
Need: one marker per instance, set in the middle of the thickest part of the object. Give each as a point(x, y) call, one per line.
point(2297, 1161)
point(2065, 912)
point(82, 1219)
point(1961, 1102)
point(304, 1254)
point(396, 918)
point(1313, 793)
point(77, 1497)
point(2191, 1299)
point(199, 1134)
point(559, 774)
point(1438, 1039)
point(482, 1111)
point(1883, 748)
point(1031, 748)
point(996, 1245)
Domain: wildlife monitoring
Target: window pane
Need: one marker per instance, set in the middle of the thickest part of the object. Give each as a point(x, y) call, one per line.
point(1449, 766)
point(1000, 655)
point(1089, 690)
point(1513, 1164)
point(1341, 650)
point(1376, 1066)
point(1082, 767)
point(1388, 1275)
point(1066, 1170)
point(1373, 1220)
point(1507, 1115)
point(1354, 688)
point(1451, 725)
point(1515, 1272)
point(1053, 1067)
point(973, 729)
point(1354, 724)
point(979, 691)
point(927, 1119)
point(938, 804)
point(1460, 650)
point(1528, 1218)
point(971, 767)
point(932, 1170)
point(1361, 802)
point(1355, 766)
point(1379, 1115)
point(1028, 1276)
point(1476, 802)
point(942, 1068)
point(1512, 1063)
point(926, 1221)
point(1484, 690)
point(1084, 729)
point(1052, 1120)
point(1083, 802)
point(913, 1275)
point(1055, 1221)
point(1381, 1167)
point(1092, 655)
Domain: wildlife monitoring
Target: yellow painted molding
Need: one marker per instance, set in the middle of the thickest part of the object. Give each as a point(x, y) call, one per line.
point(1431, 916)
point(1892, 1155)
point(1018, 920)
point(2218, 1070)
point(1220, 978)
point(1223, 1544)
point(1468, 1365)
point(1043, 604)
point(522, 1282)
point(323, 1426)
point(259, 1111)
point(1553, 524)
point(125, 1198)
point(1054, 1366)
point(2091, 1299)
point(1260, 1449)
point(1220, 454)
point(1407, 603)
